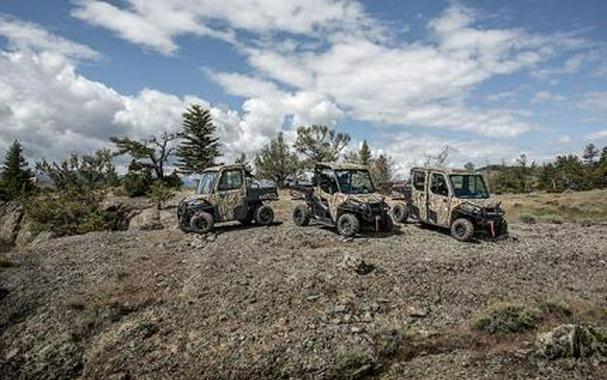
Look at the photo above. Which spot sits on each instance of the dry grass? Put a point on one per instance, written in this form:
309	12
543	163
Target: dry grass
580	206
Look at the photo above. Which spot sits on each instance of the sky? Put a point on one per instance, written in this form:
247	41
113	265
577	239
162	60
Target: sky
490	79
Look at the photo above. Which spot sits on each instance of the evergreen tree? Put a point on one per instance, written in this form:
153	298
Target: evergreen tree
16	177
320	143
382	172
276	161
364	154
590	154
199	147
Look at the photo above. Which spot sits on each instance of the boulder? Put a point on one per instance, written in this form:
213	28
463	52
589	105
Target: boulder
571	341
26	233
10	219
148	219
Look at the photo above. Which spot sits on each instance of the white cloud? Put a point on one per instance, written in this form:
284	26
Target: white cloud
23	35
409	150
55	110
547	96
595	102
157	23
597	135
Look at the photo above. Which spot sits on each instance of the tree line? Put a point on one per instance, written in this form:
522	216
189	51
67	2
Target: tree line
566	172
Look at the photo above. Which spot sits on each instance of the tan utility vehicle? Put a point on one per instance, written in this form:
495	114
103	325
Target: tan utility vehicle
226	193
342	196
449	198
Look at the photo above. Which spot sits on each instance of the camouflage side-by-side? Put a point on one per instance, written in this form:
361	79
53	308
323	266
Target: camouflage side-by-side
343	195
450	198
226	193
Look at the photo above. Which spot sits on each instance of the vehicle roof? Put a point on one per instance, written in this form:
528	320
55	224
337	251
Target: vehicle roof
223	167
341	166
444	170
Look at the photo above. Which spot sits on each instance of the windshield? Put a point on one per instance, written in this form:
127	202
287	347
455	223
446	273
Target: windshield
354	181
206	184
469	186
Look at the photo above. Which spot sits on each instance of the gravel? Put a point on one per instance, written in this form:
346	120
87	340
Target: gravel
285	301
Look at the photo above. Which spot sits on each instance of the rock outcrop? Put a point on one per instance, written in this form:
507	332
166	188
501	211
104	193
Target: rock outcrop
571	341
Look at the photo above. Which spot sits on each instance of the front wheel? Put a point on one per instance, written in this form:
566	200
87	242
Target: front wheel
462	229
264	215
301	216
348	225
202	222
400	213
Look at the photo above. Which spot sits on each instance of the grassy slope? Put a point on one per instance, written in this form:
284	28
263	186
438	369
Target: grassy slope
578	206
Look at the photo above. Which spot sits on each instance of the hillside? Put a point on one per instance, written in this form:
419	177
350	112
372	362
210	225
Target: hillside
289	302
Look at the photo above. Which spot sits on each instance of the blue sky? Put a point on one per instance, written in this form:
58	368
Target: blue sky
489	79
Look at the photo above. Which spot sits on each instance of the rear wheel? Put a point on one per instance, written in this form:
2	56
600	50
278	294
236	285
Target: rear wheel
400	213
202	222
348	225
301	215
264	215
462	229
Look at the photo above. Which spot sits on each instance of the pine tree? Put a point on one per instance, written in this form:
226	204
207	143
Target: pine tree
382	172
320	143
276	161
199	147
16	177
365	154
590	154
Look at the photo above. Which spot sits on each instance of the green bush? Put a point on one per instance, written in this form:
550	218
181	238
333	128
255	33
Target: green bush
71	213
160	193
528	219
507	318
137	183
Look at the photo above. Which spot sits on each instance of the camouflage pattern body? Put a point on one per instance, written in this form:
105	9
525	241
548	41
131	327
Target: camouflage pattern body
440	209
336	200
225	203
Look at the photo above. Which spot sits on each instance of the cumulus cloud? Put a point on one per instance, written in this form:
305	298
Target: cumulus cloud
55	110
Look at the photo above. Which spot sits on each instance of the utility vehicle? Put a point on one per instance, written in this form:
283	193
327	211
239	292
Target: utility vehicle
449	198
342	196
226	193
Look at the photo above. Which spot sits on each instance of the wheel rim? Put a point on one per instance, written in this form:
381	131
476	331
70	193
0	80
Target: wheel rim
298	216
346	226
265	216
201	224
460	230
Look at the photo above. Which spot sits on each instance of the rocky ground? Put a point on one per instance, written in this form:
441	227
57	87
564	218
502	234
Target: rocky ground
290	302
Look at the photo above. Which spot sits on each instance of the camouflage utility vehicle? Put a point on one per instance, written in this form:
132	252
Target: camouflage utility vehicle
226	193
449	198
342	196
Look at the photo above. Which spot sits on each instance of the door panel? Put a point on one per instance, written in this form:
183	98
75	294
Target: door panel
230	193
418	194
438	200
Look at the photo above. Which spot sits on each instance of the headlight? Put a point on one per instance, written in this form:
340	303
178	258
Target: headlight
469	207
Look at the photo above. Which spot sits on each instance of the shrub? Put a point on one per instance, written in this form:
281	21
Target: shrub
137	183
159	193
507	318
557	306
71	213
528	219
